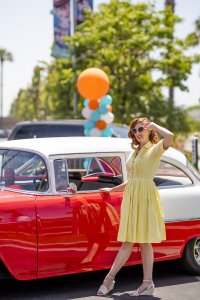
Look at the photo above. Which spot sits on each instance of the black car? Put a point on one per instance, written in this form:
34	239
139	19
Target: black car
41	129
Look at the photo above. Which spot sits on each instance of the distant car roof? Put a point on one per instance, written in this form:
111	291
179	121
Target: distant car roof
58	128
67	121
71	145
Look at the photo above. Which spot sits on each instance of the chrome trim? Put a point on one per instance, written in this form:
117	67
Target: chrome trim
181	219
27	192
197	250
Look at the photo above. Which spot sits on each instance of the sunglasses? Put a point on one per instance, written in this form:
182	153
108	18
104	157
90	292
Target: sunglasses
134	130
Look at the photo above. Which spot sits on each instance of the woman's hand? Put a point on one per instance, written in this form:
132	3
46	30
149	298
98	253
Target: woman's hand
149	125
167	135
106	190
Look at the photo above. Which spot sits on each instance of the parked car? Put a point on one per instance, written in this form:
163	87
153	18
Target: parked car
38	129
3	133
54	220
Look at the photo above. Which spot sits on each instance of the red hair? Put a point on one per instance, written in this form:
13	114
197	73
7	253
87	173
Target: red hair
153	136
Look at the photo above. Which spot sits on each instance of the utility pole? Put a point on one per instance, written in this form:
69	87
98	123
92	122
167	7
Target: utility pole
171	4
73	9
1	95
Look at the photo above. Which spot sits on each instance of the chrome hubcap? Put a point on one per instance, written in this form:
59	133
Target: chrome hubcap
197	250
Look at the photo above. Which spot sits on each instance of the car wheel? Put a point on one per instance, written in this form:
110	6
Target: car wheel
191	256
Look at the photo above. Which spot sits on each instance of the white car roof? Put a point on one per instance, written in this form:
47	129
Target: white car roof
70	145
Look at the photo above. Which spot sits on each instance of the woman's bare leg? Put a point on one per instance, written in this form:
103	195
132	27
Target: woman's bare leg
147	264
120	260
147	260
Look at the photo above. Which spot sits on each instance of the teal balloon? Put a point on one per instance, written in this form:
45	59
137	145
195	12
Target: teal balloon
86	163
107	132
86	132
85	103
89	124
95	116
102	109
106	100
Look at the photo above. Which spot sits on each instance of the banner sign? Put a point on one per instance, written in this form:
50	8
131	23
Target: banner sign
81	5
62	19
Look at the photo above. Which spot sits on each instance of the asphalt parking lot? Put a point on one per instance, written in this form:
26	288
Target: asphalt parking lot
172	283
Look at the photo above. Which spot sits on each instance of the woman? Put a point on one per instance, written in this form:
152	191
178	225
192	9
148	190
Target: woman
142	218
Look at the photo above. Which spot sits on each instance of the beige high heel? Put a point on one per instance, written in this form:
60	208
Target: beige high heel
104	290
148	291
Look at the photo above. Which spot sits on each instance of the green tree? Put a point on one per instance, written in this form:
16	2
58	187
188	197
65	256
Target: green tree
23	105
4	56
136	46
59	88
30	102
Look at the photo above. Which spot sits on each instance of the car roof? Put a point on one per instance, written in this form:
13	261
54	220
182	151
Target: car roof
69	145
61	122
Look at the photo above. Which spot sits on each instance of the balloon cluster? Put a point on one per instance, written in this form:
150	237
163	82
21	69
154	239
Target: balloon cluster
93	84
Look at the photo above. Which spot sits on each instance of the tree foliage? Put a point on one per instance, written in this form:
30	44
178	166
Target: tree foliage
5	55
133	44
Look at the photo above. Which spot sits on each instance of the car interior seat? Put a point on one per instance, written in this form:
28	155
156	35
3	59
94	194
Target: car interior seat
9	178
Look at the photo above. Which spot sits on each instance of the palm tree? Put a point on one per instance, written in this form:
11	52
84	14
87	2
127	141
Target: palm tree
4	56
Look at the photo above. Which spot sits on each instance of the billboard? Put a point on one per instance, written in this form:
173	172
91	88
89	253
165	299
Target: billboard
63	17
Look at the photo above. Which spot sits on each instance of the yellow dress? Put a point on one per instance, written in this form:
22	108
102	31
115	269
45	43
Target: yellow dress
142	219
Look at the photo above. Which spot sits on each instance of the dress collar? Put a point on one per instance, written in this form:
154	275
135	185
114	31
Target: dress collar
146	146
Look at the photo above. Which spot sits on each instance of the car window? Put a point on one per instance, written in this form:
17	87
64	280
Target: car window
37	130
61	175
47	130
23	171
170	175
89	173
120	131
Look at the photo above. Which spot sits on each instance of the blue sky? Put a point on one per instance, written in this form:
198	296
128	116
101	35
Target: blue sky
26	30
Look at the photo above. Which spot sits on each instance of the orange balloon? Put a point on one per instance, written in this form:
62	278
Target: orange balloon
93	83
101	125
110	108
93	104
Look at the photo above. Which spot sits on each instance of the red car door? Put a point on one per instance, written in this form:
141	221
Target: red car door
76	232
18	234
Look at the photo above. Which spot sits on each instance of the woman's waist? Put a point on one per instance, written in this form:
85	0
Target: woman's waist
141	178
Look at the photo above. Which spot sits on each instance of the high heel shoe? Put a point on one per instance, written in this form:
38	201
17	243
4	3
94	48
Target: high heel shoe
104	290
147	291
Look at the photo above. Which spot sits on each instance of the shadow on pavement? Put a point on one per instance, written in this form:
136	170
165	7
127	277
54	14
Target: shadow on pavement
84	286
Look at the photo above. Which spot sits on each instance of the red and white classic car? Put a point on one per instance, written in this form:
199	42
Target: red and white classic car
54	220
